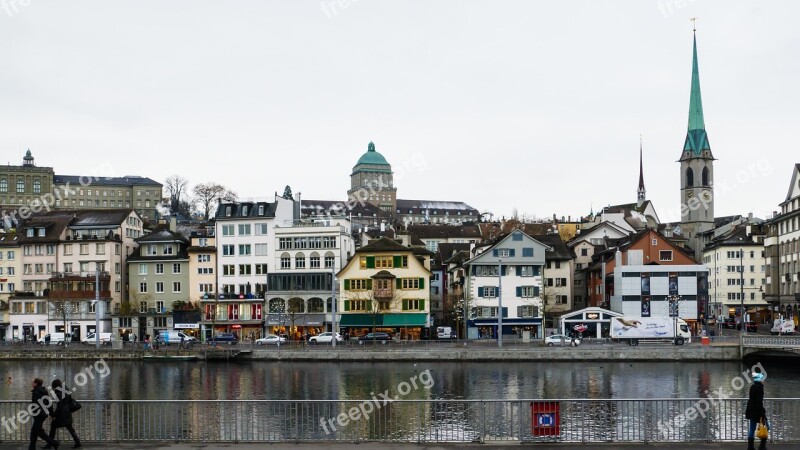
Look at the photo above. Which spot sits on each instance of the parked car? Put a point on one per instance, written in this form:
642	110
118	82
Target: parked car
375	337
751	326
271	339
90	339
224	338
56	338
561	339
729	322
324	338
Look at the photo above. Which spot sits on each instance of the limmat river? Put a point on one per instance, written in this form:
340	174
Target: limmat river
134	380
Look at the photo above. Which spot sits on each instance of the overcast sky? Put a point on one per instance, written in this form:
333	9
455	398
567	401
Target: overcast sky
531	105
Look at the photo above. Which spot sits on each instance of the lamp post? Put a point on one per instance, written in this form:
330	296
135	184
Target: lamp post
500	303
333	306
741	286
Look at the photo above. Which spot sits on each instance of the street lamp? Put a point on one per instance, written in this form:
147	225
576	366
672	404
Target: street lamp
674	312
500	303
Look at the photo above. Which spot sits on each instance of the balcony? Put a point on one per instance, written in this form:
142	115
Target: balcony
76	295
79	276
381	294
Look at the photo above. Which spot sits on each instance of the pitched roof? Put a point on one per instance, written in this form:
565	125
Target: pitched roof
339	208
130	180
100	218
558	249
433	205
445	231
162	235
383	244
239	210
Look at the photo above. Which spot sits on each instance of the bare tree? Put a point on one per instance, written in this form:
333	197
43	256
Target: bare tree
176	186
206	196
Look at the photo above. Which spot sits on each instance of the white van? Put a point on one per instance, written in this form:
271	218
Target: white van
174	337
782	326
445	333
54	338
90	339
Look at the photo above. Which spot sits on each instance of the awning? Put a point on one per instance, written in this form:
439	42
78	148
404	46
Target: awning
361	320
405	320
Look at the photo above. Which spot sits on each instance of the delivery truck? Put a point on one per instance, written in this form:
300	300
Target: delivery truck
782	327
633	330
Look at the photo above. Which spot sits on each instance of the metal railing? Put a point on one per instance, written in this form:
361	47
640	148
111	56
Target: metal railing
771	341
581	420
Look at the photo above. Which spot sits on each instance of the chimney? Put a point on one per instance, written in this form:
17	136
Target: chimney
618	258
173	223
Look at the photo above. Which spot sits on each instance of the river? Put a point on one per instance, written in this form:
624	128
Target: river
126	380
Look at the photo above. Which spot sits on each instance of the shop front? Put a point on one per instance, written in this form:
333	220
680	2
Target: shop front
296	327
590	322
486	328
189	329
401	326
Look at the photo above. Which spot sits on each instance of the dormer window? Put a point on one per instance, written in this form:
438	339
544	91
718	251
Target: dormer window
260	210
41	232
29	232
227	211
244	210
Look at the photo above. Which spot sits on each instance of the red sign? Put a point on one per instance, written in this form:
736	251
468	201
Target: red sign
545	419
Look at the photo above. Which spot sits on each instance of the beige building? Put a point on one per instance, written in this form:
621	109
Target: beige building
202	265
10	270
92	192
384	287
22	185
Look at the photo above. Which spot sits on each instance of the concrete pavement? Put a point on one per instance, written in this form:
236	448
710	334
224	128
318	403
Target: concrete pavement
430	446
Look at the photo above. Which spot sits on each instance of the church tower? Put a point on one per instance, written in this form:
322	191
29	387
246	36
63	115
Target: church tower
697	169
641	196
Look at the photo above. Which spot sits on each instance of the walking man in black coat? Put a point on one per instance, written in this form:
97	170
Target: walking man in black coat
37	430
755	411
61	413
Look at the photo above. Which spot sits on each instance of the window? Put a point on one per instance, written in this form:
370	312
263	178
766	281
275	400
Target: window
413	304
168	249
328	242
244	250
359	284
261	269
528	311
228	230
286	262
529	291
20	186
665	255
261	249
245	269
409	283
142	269
176	287
203	258
584	252
205	287
244	229
117	268
84	249
205	271
315	242
10	255
151	250
383	262
300	261
261	228
176	268
228	250
228	270
300	242
285	243
143	290
356	305
314	262
503	252
486	271
4	185
329	261
159	269
159	287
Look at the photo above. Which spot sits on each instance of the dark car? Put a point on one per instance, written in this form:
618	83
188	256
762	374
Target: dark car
751	326
729	322
224	338
375	337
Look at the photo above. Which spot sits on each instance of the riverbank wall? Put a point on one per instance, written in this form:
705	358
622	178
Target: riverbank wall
381	353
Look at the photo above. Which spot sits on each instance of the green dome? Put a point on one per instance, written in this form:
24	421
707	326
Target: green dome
372	157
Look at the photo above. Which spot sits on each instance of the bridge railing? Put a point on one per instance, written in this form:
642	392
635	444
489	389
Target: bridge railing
771	341
376	419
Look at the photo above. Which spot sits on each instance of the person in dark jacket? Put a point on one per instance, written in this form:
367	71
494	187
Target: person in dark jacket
61	412
755	411
38	393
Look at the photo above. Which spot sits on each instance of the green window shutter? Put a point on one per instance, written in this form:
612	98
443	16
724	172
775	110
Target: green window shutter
536	291
519	291
405	305
422	305
369	284
422	283
347	305
346	285
399	283
370	262
369	305
397	261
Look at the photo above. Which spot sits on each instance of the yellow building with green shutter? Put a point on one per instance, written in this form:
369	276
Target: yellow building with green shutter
384	287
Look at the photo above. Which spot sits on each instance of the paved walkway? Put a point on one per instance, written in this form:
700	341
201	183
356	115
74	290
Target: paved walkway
387	446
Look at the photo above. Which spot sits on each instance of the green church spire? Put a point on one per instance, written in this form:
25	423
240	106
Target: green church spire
696	137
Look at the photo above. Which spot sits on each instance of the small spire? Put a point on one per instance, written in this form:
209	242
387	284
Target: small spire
640	193
371	147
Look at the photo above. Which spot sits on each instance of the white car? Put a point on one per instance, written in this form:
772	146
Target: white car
271	339
324	338
561	339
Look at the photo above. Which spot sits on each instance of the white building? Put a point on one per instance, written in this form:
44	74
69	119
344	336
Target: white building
507	273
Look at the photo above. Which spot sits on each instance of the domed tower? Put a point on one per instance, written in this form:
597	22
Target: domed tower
371	181
697	170
27	161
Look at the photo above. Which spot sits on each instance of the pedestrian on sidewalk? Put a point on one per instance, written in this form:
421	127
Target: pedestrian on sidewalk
755	411
61	413
38	393
182	346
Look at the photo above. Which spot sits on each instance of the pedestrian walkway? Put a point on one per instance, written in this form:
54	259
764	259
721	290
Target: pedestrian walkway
431	446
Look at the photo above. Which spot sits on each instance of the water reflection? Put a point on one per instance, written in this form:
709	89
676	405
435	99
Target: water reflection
355	381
